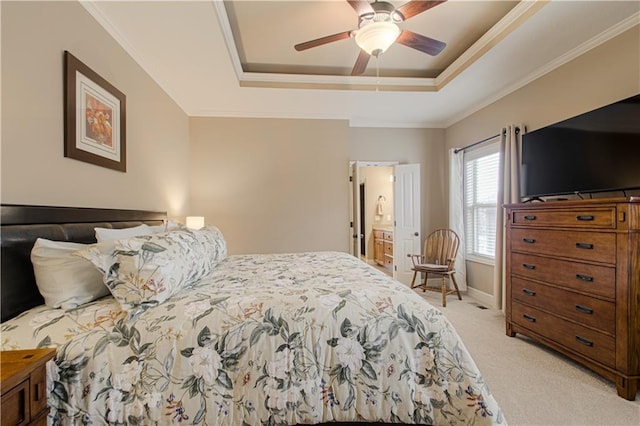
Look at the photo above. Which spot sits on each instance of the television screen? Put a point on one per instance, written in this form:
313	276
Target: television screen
594	152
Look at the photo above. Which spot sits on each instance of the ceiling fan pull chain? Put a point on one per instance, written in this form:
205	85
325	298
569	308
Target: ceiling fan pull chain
377	72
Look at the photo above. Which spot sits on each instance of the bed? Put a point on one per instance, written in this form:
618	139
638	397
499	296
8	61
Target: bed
272	339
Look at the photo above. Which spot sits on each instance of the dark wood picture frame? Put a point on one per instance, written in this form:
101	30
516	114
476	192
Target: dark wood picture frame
94	117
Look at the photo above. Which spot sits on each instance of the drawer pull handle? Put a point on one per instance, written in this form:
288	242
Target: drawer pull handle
529	240
530	217
528	292
585	217
584	341
586	246
583	277
529	318
527	266
22	404
584	309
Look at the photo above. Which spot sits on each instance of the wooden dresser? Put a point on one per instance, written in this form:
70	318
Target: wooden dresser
24	386
573	282
383	247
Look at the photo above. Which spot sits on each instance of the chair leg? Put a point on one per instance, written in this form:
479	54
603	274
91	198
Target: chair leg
424	283
455	284
413	280
444	292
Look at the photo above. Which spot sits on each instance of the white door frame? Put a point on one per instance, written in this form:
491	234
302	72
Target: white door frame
354	200
354	203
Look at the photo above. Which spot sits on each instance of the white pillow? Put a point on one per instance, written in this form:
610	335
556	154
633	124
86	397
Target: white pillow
169	226
106	234
144	271
65	281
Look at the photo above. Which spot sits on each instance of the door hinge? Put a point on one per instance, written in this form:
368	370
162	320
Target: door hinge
350	178
350	224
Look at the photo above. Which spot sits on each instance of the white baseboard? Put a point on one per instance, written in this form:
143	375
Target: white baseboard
485	299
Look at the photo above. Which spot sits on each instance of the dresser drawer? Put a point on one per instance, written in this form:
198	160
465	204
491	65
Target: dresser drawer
15	405
38	382
591	246
586	310
587	342
598	280
604	217
388	236
388	248
378	234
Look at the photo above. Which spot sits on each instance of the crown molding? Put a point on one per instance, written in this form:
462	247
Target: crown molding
96	13
583	48
268	114
361	122
512	20
519	14
227	34
334	82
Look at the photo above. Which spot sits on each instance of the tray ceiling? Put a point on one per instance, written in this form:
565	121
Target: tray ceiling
236	58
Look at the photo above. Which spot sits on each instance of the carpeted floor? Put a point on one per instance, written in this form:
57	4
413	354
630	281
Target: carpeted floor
532	384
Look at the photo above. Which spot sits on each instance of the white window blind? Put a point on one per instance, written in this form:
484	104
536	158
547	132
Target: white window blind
481	199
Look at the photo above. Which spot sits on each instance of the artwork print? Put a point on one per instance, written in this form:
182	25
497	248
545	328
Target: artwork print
94	117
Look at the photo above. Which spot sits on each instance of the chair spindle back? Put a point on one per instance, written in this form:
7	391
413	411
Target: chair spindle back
441	246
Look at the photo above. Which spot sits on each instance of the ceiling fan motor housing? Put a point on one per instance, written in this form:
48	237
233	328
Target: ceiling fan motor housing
382	12
378	29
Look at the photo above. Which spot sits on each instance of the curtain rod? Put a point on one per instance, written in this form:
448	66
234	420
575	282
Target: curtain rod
504	131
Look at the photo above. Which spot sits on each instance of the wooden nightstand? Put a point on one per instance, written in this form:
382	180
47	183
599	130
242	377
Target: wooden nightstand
24	386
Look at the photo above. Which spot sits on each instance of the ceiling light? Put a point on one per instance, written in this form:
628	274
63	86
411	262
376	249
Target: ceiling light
376	37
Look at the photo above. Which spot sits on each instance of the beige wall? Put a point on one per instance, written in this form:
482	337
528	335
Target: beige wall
423	146
272	185
282	185
601	76
34	169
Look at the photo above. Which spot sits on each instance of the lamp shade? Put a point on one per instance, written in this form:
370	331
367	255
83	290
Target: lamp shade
376	37
195	222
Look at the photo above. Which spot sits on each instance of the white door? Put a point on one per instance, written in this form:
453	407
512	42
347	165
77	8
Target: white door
356	231
406	236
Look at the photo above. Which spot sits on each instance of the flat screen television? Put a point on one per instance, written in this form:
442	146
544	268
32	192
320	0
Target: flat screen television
598	151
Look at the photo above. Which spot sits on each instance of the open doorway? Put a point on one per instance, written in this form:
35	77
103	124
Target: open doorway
374	208
385	215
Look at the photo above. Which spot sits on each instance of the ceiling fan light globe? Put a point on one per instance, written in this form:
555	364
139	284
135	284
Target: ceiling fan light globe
377	37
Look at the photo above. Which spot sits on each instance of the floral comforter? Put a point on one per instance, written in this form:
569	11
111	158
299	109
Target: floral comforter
263	340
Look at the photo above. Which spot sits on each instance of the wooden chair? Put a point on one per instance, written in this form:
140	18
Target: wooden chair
437	258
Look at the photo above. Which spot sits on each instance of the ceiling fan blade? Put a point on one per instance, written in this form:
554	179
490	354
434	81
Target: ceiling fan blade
419	42
414	7
361	63
322	40
361	6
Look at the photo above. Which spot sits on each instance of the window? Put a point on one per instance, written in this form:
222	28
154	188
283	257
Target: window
480	201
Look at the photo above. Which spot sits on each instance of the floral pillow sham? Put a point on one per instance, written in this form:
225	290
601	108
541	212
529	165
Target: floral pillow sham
146	270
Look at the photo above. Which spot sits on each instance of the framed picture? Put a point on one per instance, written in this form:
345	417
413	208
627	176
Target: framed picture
94	117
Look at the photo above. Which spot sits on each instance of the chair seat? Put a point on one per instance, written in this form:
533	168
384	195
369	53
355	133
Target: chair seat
431	267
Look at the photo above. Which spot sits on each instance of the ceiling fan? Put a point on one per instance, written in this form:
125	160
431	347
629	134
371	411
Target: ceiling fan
378	30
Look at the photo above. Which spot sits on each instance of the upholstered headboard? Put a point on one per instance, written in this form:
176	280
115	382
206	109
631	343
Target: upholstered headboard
22	225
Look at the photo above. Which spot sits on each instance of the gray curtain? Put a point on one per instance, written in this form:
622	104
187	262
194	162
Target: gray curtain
508	192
